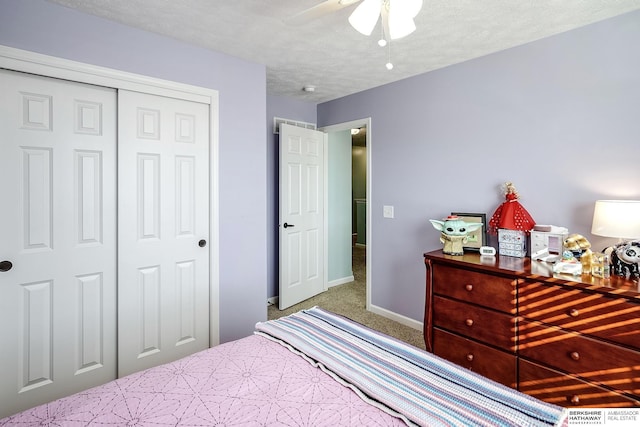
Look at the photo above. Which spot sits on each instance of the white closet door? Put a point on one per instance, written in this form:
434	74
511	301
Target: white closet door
57	238
163	229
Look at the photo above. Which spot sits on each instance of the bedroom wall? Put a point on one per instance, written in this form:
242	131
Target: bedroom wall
558	117
42	27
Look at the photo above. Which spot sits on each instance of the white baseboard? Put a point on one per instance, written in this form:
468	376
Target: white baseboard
376	310
341	281
397	317
274	300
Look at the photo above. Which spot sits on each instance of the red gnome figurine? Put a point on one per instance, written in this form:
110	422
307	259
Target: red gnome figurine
511	215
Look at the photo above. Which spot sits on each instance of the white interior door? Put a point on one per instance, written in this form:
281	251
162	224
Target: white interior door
301	214
57	238
163	229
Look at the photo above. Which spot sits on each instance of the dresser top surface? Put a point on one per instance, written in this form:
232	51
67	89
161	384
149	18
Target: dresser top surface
525	268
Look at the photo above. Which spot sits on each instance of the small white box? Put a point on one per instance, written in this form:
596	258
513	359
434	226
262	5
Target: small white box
552	242
512	243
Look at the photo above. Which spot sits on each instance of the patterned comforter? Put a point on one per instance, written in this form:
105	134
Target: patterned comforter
302	370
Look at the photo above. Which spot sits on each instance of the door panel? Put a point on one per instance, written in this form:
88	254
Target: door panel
163	176
302	209
57	227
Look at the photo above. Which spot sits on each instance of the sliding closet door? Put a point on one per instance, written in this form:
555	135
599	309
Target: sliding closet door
57	238
163	229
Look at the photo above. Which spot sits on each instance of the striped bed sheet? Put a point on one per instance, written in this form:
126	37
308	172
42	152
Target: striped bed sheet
418	387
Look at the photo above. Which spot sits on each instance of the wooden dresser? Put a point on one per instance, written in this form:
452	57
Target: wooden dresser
572	341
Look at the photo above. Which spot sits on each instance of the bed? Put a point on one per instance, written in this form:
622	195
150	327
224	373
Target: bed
312	368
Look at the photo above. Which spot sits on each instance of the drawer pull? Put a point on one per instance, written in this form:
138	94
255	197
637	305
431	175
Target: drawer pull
575	355
470	357
574	312
469	322
575	399
469	287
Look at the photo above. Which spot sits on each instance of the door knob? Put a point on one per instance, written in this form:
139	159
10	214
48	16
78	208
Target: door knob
288	225
202	243
5	265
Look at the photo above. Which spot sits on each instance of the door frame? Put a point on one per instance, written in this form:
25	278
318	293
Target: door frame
50	66
342	127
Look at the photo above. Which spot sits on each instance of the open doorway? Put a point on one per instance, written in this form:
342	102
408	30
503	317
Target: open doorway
359	203
354	303
359	151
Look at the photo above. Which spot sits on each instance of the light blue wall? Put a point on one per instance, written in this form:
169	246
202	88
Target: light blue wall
50	29
339	209
559	117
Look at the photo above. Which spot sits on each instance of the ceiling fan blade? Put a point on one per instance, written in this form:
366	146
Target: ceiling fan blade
324	8
365	17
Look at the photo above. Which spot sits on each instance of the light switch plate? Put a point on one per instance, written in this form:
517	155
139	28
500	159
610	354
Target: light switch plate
387	211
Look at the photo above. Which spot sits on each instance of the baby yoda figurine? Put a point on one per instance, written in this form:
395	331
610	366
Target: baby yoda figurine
454	233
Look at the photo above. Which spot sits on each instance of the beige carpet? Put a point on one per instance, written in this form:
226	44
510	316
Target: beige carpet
349	300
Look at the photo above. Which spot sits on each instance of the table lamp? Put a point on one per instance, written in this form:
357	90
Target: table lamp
617	218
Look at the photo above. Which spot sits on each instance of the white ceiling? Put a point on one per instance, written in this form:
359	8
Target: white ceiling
329	54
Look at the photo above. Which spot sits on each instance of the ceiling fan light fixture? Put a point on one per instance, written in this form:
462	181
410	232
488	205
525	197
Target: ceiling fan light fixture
400	16
365	17
400	26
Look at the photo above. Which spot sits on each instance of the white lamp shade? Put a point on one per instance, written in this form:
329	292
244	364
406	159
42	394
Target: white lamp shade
365	17
617	218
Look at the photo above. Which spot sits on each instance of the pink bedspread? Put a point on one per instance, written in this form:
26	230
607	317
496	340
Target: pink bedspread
249	382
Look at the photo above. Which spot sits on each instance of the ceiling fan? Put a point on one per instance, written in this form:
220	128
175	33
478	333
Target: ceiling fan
397	15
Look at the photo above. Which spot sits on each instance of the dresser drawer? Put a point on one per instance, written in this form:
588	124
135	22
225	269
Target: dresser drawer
616	320
484	325
560	389
483	289
590	359
486	361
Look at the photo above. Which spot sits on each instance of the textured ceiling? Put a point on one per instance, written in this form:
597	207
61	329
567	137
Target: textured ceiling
330	55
